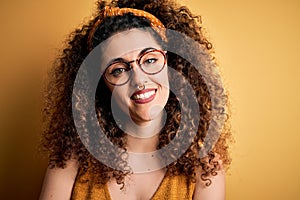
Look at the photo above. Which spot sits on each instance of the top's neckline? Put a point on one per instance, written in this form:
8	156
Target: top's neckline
107	192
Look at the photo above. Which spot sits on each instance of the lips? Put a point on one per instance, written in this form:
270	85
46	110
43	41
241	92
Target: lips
143	96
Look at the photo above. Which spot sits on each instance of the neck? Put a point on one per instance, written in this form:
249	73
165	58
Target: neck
142	145
144	137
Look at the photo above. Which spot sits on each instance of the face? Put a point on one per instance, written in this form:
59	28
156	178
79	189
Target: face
141	104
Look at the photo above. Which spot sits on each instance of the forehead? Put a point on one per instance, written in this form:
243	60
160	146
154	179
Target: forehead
125	42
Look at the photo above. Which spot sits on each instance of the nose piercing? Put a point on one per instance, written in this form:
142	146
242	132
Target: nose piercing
141	87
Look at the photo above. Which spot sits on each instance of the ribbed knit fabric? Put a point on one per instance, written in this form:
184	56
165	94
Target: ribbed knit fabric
177	187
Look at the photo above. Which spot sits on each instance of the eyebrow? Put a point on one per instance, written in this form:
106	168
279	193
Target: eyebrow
122	59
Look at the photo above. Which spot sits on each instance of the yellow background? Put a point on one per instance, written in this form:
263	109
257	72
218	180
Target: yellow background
257	46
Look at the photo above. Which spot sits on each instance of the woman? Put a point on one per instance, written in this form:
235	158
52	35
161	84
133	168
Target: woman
141	107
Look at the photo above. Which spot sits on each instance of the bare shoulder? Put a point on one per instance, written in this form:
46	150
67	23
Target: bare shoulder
58	182
216	190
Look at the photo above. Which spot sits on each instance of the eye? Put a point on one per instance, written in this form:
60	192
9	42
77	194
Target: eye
117	72
150	61
117	69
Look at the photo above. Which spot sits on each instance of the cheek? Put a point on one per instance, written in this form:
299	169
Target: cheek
162	79
120	98
118	103
116	94
116	91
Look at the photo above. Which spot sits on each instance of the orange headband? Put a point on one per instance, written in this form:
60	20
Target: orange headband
115	11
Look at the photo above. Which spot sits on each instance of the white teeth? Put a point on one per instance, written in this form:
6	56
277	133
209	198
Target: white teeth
144	95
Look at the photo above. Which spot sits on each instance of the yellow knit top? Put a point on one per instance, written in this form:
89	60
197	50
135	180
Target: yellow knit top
175	187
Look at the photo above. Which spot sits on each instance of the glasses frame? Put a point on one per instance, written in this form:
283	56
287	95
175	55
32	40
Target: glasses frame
138	60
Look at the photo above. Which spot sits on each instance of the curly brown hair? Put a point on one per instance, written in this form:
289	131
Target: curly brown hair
60	137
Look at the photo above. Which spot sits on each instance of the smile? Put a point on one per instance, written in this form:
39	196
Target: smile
144	96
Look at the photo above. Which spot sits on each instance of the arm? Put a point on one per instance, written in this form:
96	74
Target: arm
58	182
216	191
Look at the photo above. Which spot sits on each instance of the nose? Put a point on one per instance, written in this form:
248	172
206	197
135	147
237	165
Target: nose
138	77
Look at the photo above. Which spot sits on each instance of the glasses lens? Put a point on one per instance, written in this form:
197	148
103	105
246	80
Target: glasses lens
152	62
117	73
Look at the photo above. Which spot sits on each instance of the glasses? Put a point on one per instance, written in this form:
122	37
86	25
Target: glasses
150	62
